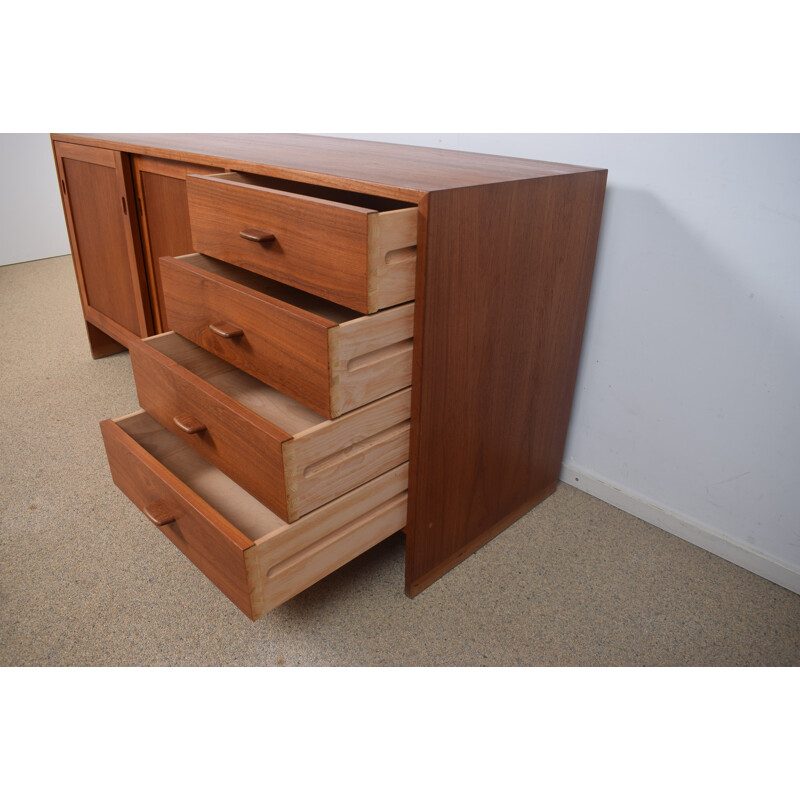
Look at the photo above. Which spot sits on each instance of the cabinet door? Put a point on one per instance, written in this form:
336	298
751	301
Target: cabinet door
97	192
164	218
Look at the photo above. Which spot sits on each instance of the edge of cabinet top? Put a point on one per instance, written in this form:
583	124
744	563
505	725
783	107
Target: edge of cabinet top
405	172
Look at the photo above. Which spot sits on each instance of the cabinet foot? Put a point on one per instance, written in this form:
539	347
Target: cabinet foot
101	343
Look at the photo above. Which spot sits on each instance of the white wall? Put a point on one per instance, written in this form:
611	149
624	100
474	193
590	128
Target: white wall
687	411
32	221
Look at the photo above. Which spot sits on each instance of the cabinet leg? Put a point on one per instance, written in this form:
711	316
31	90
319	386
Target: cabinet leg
101	343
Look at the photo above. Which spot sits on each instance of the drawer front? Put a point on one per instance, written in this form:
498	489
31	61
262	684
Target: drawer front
327	358
285	349
329	249
228	435
206	538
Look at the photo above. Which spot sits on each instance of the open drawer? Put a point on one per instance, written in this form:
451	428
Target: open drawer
328	357
251	555
353	249
288	457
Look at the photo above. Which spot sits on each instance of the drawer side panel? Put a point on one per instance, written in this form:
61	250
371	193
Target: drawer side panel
291	559
284	581
331	459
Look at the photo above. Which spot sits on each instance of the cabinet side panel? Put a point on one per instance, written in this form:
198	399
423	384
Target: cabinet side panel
501	308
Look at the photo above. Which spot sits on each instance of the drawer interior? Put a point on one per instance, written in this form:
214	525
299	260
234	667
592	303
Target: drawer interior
217	489
364	201
286	413
278	291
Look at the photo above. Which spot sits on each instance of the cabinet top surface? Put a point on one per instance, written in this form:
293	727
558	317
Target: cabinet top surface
392	169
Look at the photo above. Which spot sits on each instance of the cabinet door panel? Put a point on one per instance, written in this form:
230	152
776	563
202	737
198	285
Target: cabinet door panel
164	210
104	235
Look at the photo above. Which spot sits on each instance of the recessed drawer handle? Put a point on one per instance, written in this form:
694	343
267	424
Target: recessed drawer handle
226	330
189	424
256	235
158	514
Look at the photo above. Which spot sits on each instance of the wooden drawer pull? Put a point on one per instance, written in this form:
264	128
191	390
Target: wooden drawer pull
158	514
226	330
255	235
189	424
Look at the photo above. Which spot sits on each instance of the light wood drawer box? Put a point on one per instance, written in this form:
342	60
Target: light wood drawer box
353	249
328	357
288	457
254	557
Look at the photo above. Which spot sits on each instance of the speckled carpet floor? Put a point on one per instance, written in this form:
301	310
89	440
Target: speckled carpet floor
86	580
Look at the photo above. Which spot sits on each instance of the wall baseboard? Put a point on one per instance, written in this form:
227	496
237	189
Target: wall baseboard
709	539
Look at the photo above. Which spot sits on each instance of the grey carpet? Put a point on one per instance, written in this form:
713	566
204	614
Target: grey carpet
85	579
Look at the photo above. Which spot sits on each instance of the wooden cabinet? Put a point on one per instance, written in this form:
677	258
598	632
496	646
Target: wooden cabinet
99	205
164	216
365	338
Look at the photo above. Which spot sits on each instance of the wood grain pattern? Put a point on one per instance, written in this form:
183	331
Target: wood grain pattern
504	257
164	216
110	329
500	314
292	462
100	343
206	538
298	349
397	171
89	155
236	440
334	457
287	350
98	199
291	559
257	560
370	357
392	243
317	245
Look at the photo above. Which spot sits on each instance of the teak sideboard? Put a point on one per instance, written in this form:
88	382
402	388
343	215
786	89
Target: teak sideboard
332	341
